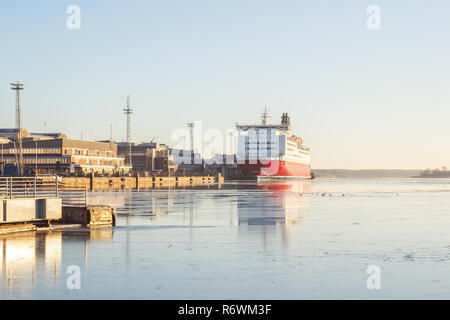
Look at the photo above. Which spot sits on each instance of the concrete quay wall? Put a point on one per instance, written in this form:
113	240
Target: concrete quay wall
116	183
30	209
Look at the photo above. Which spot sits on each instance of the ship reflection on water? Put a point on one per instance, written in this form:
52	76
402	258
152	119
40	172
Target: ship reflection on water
262	203
284	203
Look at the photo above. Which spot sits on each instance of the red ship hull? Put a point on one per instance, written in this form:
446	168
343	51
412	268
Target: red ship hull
275	169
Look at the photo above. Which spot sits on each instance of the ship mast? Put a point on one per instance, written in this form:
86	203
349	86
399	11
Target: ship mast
265	116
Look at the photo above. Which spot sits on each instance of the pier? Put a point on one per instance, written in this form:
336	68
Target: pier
52	202
32	203
29	199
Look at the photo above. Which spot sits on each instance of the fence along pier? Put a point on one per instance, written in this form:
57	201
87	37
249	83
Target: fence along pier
33	201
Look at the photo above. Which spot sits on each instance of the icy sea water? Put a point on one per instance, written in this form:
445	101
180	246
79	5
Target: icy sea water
287	240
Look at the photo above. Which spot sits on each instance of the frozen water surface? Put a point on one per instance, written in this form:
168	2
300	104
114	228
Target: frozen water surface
286	240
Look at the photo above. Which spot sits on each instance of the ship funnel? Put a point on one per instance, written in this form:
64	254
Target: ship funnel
285	120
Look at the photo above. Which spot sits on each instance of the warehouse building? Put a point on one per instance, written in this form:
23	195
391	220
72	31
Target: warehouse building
55	153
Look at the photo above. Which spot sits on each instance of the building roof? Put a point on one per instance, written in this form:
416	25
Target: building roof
12	133
58	135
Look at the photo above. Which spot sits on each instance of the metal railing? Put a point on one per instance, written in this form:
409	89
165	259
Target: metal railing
28	187
73	196
42	187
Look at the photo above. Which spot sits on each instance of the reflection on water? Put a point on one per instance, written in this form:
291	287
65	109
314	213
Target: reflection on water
246	240
262	203
283	204
27	256
253	204
21	254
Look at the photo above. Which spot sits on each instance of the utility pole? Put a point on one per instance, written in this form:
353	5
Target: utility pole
36	159
18	87
191	133
128	111
2	160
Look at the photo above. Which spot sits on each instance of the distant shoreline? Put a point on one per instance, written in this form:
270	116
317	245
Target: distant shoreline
366	173
380	174
384	178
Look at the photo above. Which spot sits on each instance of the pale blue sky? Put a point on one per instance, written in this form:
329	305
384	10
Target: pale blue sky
359	98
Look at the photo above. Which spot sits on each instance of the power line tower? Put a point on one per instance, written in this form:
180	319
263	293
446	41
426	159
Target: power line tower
128	111
18	87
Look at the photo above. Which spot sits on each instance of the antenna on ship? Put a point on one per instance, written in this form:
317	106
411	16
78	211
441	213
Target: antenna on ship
265	116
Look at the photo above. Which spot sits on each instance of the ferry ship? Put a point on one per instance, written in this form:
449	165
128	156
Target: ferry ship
271	151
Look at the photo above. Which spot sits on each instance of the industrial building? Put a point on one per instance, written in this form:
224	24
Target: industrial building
55	153
225	164
147	157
